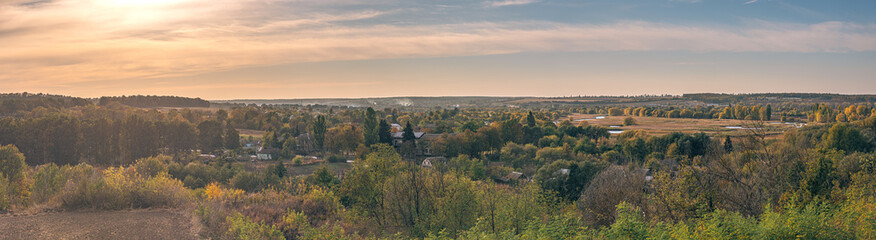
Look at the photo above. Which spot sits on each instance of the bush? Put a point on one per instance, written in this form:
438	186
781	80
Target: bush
195	175
86	188
48	181
151	166
239	227
336	159
247	181
162	191
295	223
799	223
297	161
118	188
5	202
12	164
320	205
629	121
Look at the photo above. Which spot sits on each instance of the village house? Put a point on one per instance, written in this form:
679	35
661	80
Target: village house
422	140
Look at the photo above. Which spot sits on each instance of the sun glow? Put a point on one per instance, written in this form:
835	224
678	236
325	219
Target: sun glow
139	3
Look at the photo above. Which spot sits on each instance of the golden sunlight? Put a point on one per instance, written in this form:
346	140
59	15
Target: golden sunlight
138	3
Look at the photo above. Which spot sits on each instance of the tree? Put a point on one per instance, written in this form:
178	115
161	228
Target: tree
210	135
848	138
12	165
766	113
408	134
629	121
278	169
728	144
232	138
319	130
385	132
372	132
610	187
343	138
530	120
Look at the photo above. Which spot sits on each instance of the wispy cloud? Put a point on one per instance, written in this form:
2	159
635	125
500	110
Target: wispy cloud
750	2
72	41
502	3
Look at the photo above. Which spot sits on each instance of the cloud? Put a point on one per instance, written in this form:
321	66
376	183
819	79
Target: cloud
750	2
71	42
503	3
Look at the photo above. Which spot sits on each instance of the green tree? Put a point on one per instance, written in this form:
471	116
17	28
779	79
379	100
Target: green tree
728	144
408	134
372	130
385	132
842	136
319	130
232	138
210	135
12	165
629	121
530	120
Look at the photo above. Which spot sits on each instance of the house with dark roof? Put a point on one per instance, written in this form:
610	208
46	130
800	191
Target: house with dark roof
422	140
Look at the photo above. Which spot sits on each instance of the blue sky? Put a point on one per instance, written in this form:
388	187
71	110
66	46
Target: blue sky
226	49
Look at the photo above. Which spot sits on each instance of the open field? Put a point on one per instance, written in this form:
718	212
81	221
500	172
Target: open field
306	169
134	224
250	133
658	125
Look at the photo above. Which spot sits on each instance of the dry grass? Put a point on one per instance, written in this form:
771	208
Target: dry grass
306	169
659	125
250	133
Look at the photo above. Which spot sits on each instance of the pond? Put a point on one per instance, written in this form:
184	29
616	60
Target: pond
738	127
615	131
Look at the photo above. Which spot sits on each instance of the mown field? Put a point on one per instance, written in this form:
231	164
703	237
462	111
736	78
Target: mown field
661	125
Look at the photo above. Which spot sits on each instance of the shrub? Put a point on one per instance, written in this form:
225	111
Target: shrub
118	188
320	204
5	202
194	175
48	181
12	164
151	166
336	159
214	192
630	224
297	161
247	181
239	227
87	188
295	223
162	191
799	223
629	121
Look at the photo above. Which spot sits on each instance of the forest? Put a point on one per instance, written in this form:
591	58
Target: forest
474	172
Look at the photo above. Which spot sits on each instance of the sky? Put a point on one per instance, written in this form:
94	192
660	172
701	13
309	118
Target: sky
281	49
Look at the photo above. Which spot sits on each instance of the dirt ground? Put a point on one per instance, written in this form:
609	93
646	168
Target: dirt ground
129	224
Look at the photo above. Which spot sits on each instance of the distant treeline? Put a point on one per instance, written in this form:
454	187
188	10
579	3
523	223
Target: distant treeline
155	101
70	139
11	103
725	98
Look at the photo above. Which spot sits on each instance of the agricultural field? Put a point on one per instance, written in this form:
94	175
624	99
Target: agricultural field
132	224
662	125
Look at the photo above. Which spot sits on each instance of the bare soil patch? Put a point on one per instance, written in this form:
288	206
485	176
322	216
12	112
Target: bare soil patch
131	224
